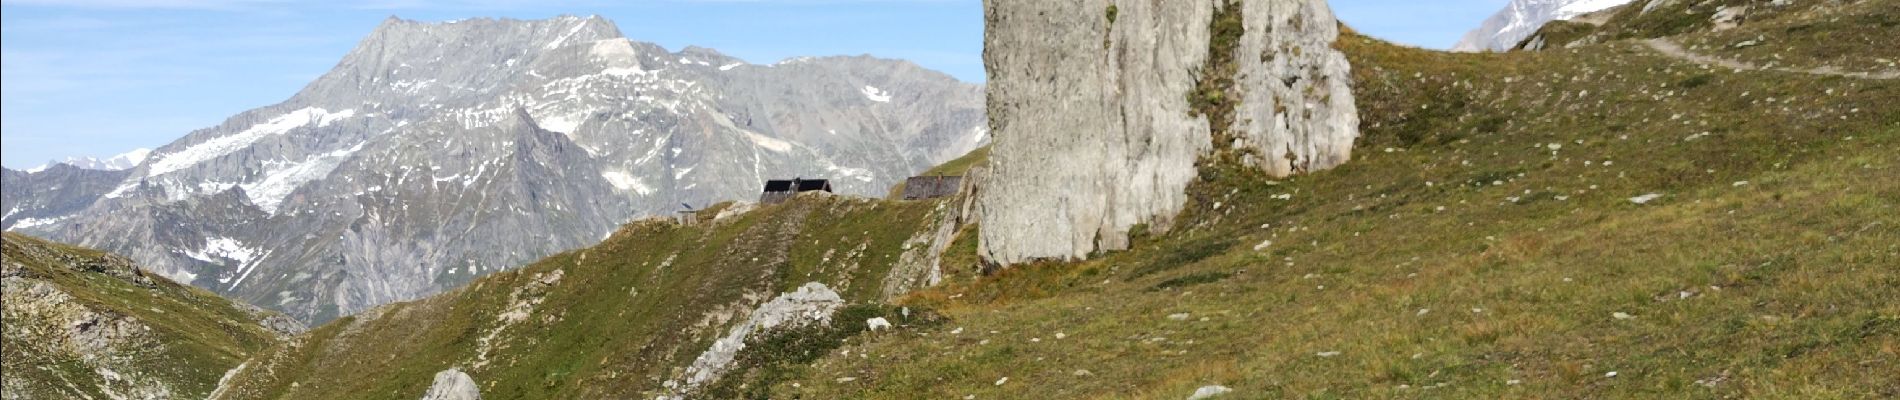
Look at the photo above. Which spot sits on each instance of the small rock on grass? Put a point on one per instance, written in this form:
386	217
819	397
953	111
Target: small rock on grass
1209	391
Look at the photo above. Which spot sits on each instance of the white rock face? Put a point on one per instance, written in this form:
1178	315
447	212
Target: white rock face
877	324
453	384
1208	392
1297	107
1092	129
1726	18
812	303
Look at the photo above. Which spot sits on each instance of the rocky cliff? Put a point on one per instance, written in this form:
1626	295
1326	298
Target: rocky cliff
1103	111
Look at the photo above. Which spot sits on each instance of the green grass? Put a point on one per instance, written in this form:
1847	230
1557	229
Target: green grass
187	337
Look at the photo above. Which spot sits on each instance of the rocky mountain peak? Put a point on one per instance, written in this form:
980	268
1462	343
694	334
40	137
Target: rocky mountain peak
407	58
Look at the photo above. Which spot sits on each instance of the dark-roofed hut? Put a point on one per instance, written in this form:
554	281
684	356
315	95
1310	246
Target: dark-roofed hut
778	191
931	187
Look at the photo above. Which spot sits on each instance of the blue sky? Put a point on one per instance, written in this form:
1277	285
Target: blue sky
99	77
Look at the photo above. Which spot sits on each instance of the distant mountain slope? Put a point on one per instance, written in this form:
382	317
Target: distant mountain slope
1521	18
436	152
85	324
42	199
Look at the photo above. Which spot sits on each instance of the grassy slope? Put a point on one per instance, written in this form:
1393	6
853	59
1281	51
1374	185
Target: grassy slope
1779	287
626	316
1858	36
1766	270
1850	36
199	335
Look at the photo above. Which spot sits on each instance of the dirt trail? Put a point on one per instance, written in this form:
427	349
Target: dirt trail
1674	50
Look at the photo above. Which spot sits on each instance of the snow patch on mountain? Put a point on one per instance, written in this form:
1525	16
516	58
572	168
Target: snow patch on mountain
623	71
877	95
118	192
627	182
1522	18
268	193
563	124
25	223
223	248
219	248
769	143
221	146
562	41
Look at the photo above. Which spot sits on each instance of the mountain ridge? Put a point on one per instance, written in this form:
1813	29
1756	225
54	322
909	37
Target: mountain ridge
117	162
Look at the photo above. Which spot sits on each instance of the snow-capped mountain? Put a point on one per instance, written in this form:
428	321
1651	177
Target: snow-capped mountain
123	161
1522	18
435	152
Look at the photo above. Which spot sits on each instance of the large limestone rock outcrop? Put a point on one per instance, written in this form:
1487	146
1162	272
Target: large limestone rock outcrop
1092	124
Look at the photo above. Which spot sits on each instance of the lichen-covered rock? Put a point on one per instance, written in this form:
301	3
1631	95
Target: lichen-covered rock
1296	109
453	384
812	303
1094	129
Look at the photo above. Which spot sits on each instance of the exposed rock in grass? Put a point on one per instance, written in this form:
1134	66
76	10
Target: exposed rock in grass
811	303
1209	391
453	384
